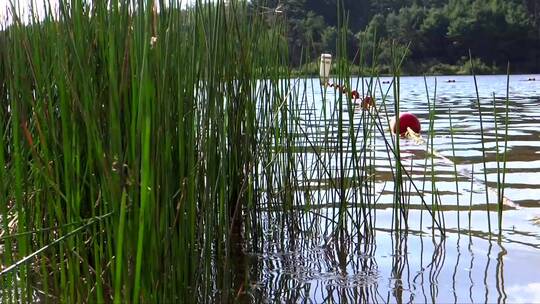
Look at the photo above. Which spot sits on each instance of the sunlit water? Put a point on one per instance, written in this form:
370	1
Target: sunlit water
468	263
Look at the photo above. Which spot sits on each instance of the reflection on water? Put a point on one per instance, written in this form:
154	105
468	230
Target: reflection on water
467	263
408	268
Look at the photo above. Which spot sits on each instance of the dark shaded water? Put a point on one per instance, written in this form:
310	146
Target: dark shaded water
468	263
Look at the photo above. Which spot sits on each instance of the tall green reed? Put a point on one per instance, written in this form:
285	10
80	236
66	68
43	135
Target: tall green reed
502	181
482	140
147	114
454	163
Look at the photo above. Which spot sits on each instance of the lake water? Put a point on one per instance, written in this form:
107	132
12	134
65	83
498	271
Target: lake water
472	261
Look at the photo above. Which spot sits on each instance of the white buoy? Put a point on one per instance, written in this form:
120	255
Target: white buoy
324	70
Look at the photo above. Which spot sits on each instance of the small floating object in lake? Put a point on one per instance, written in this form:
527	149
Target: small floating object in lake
342	89
367	103
406	120
532	79
324	68
355	95
451	80
386	82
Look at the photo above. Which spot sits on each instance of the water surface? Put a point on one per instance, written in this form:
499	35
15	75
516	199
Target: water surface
472	261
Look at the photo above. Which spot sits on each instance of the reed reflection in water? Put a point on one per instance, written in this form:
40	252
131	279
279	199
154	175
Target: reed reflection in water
407	268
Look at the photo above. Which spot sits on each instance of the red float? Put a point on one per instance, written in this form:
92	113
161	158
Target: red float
406	120
367	103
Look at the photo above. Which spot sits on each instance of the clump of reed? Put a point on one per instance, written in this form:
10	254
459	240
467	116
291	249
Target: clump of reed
139	125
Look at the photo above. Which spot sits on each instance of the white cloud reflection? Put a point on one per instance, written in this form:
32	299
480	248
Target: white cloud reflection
529	293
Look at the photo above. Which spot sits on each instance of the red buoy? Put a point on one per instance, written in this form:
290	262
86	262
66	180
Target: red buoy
367	103
406	120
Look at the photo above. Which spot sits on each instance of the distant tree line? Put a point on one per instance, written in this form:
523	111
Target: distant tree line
438	33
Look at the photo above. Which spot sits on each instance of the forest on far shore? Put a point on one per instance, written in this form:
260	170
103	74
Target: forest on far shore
438	33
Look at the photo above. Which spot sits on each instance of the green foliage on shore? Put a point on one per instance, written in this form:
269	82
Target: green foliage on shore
439	32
